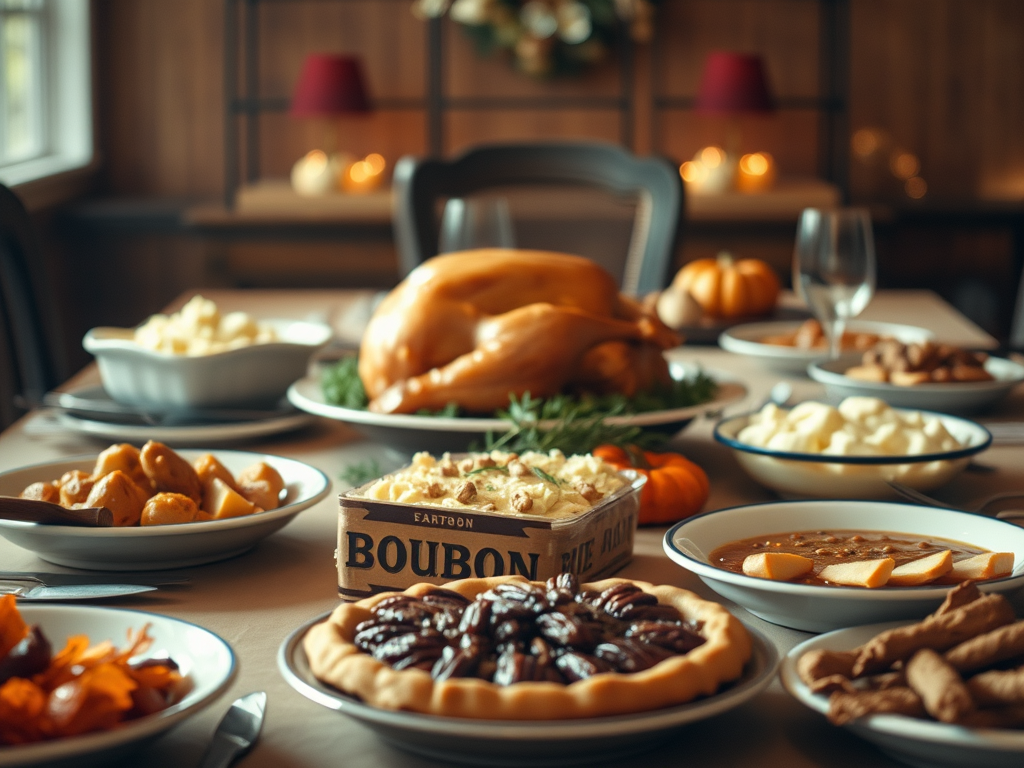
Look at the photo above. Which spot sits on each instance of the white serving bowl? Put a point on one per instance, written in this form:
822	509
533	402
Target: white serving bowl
827	476
746	340
204	657
256	375
910	740
155	547
952	397
819	608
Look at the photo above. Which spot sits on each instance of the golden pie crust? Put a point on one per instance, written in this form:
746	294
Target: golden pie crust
335	660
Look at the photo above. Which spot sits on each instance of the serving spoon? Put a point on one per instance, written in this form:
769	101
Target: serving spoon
47	513
914	495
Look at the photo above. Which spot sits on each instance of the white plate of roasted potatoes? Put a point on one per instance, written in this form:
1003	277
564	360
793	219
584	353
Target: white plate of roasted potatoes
172	509
974	389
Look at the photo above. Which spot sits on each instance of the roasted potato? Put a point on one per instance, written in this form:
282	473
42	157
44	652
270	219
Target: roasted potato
262	485
169	509
169	473
121	495
125	457
43	492
75	487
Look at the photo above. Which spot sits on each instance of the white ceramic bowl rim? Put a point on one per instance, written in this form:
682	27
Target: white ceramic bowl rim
737	339
981	440
285	510
139	728
1006	373
96	339
703	568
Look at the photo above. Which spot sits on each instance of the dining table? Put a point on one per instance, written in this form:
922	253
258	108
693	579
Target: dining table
254	600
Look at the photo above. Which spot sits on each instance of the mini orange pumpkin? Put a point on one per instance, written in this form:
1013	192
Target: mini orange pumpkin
725	287
675	487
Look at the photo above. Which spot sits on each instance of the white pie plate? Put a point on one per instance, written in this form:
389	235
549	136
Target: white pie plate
960	397
916	742
410	432
820	609
159	546
518	743
746	340
201	655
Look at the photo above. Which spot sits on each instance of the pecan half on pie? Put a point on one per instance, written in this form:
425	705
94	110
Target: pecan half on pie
509	649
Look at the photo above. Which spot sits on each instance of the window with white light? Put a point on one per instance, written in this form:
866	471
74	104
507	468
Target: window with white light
45	88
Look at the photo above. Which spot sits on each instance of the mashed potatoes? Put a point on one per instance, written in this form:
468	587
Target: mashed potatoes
200	329
544	484
860	426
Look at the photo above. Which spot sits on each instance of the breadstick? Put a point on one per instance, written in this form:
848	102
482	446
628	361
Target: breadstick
1000	717
942	691
963	593
938	632
819	664
998	687
844	707
988	649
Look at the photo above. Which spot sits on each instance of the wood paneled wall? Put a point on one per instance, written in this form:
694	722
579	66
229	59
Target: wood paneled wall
943	77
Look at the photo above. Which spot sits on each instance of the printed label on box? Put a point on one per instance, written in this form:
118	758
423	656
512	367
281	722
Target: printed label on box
385	546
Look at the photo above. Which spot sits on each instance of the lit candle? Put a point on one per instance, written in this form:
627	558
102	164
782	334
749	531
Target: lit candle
756	172
710	172
364	175
315	174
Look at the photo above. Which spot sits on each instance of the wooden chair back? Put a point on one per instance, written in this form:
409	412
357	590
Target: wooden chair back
421	184
27	355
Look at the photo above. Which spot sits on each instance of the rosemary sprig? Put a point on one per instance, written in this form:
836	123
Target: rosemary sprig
572	433
360	472
545	476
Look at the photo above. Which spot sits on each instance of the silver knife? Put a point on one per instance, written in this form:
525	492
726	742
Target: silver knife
27	590
75	579
237	732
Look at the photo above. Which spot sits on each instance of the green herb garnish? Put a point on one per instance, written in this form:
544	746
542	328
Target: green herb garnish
478	470
545	476
342	386
361	472
579	420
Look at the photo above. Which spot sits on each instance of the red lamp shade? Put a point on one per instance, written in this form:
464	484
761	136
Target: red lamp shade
733	83
330	84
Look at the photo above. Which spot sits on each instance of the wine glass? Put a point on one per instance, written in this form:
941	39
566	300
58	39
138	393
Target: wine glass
834	267
484	222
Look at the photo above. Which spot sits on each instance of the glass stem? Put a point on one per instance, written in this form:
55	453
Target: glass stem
835	331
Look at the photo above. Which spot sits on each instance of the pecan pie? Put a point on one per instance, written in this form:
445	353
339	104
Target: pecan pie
510	649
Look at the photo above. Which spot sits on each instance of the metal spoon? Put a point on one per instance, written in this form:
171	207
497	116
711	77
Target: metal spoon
916	496
38	511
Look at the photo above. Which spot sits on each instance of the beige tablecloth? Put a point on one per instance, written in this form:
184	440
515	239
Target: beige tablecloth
254	601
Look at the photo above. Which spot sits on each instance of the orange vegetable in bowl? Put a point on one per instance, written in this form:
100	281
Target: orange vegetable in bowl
725	287
675	487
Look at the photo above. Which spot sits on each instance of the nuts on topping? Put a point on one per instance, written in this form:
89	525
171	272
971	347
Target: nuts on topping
518	469
466	492
448	469
466	465
435	491
483	462
589	492
521	501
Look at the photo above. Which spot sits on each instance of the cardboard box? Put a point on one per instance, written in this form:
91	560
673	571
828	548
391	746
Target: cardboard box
385	545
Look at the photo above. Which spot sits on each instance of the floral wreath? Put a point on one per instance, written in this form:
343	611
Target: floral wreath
546	38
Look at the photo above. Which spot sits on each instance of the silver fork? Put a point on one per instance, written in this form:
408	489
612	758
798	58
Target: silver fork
916	496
